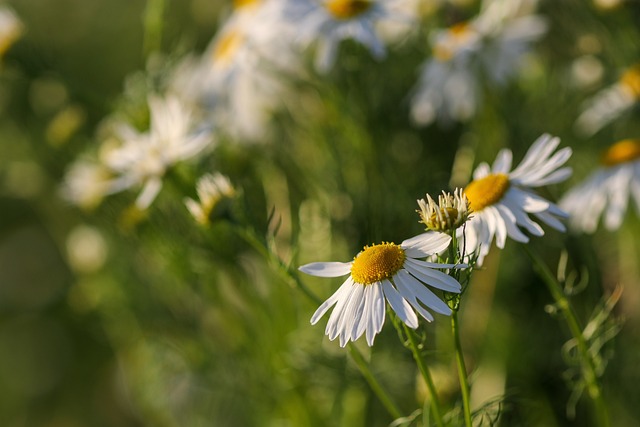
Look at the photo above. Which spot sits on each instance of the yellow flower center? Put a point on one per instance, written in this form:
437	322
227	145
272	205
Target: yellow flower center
456	35
242	3
621	152
631	80
347	9
486	191
377	262
226	46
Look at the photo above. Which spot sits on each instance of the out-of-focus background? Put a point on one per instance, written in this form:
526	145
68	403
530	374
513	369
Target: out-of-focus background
114	316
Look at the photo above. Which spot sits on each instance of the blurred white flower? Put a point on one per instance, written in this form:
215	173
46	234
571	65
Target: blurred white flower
485	50
384	271
607	190
211	189
86	249
501	200
610	103
143	158
10	28
238	82
86	183
326	23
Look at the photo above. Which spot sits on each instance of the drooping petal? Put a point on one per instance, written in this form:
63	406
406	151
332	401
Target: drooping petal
402	279
333	299
326	269
431	277
399	305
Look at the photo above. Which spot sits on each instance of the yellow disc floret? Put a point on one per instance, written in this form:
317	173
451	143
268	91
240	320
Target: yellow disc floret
347	9
377	262
226	45
486	191
631	80
242	3
624	151
453	39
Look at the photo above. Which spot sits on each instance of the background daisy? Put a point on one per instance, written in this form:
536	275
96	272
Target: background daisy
326	23
607	190
502	199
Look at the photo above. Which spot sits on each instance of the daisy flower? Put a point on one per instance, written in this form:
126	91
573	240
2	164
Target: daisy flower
448	87
390	272
490	48
608	190
86	183
328	22
10	29
211	190
144	158
238	81
610	103
502	199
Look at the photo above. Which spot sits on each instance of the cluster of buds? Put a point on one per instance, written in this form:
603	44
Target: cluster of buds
451	211
211	189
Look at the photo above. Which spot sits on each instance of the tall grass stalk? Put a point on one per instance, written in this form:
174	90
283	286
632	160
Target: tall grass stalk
587	363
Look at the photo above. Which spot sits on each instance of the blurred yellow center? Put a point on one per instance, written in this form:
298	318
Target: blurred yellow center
631	80
241	3
621	152
456	35
377	262
347	9
486	191
226	45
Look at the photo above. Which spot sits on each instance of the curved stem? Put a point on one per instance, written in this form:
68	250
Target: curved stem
286	271
433	401
462	369
587	362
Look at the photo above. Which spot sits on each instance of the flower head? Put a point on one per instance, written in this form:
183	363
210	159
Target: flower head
606	191
211	190
502	200
144	158
610	103
326	23
10	29
86	183
390	272
489	47
451	211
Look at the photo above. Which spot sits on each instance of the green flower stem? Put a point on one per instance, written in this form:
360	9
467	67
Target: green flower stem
362	364
290	275
153	22
462	369
435	406
588	365
285	270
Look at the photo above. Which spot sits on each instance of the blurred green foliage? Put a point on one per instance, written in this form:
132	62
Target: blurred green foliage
170	324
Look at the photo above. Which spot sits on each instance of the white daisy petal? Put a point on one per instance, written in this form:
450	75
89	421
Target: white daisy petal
502	163
404	289
434	278
399	305
333	299
424	295
326	269
426	244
